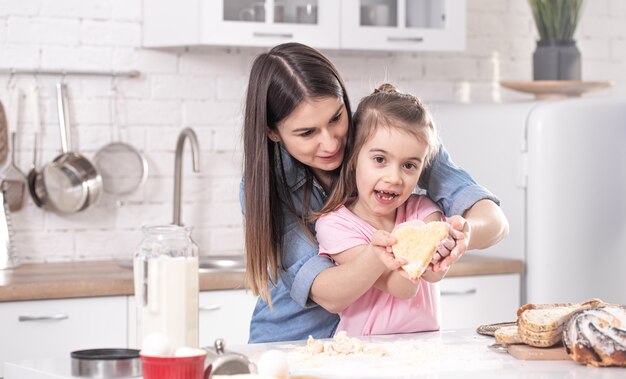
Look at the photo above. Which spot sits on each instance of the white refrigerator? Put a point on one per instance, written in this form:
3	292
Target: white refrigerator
559	168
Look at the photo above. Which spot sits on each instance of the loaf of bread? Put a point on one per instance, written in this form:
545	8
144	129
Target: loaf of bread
597	336
541	325
418	245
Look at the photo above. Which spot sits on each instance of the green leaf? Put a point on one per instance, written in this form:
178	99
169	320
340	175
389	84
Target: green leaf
556	19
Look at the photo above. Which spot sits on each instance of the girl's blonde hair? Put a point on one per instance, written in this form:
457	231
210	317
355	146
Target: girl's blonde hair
386	107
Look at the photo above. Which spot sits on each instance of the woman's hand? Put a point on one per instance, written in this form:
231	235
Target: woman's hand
452	248
382	242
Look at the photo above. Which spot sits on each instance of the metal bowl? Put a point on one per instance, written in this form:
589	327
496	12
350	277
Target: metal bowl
106	363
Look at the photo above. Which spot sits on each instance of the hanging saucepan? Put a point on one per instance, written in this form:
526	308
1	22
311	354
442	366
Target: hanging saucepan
70	183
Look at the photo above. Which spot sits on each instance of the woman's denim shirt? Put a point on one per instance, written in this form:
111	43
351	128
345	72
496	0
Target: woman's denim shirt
293	315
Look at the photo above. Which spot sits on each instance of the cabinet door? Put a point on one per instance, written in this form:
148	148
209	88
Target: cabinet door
467	302
433	25
270	22
225	314
241	22
54	328
222	314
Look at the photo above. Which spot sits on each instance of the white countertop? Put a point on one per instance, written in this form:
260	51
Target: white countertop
446	354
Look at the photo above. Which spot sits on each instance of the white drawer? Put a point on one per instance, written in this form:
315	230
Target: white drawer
470	301
54	328
222	314
227	315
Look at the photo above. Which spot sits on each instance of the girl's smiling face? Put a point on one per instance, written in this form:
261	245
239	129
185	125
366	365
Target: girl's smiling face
387	170
315	133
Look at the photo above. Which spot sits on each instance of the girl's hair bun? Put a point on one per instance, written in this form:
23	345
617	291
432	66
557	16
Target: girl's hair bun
386	87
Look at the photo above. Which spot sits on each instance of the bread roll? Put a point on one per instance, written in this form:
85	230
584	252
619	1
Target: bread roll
597	336
418	245
541	325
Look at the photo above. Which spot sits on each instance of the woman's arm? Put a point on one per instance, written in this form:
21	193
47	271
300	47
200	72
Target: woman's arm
486	224
473	212
483	226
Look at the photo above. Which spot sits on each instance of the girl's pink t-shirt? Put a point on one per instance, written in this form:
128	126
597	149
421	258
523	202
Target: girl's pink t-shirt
377	312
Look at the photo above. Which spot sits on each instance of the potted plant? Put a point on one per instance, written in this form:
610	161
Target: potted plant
556	57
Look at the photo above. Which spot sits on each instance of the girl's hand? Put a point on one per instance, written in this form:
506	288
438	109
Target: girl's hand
452	248
382	242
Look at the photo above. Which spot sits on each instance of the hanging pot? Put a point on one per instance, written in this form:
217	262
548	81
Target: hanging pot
70	183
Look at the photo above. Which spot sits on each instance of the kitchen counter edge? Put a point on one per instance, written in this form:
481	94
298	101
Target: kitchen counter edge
58	280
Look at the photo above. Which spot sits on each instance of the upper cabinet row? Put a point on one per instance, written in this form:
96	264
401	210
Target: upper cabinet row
431	25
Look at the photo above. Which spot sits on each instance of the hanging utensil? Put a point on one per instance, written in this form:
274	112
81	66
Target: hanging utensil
37	193
122	167
14	180
71	182
7	252
4	136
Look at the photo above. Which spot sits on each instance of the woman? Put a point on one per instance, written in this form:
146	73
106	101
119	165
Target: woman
297	130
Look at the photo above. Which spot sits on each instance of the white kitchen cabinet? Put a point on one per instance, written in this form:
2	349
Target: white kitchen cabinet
241	22
223	314
54	328
471	301
433	25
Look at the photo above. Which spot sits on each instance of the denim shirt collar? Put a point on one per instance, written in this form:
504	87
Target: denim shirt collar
295	173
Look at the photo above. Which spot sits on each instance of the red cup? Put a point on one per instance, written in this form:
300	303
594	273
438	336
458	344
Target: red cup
174	367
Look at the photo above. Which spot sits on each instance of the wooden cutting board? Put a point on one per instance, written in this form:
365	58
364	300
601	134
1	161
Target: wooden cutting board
526	352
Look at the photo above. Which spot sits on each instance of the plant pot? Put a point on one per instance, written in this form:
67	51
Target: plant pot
556	60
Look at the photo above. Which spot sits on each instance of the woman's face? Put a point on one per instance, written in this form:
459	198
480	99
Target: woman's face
315	133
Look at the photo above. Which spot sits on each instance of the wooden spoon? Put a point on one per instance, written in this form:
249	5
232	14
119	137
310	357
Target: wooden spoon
4	137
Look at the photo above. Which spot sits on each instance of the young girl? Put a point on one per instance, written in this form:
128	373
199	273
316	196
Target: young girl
395	140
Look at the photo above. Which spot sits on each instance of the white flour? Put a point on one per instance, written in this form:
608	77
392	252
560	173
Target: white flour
351	357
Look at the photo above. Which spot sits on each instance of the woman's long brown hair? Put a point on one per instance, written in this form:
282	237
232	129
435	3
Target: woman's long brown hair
279	81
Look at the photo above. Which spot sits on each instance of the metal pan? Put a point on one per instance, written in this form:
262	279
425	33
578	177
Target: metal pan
106	363
71	182
123	168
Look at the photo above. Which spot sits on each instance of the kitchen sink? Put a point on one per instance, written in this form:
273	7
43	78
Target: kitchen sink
213	263
222	263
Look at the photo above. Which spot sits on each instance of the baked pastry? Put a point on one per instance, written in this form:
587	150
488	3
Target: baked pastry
418	245
597	336
541	325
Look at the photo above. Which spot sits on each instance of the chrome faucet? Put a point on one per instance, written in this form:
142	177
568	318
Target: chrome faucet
178	167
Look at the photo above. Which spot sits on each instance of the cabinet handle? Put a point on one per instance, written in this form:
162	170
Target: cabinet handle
56	317
470	291
273	35
405	39
207	308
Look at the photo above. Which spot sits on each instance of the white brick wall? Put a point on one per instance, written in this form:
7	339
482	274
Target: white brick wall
203	88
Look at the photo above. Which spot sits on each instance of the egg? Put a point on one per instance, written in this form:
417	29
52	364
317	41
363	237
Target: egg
273	364
186	351
156	344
